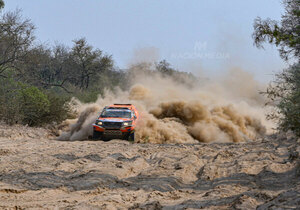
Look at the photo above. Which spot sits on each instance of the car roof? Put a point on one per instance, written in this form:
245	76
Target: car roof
121	106
118	110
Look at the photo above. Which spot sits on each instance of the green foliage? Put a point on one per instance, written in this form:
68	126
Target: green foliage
88	63
59	108
87	96
22	103
34	105
284	92
16	38
1	4
285	34
10	107
77	69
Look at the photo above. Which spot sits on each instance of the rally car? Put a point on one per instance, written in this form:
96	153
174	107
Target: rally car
116	121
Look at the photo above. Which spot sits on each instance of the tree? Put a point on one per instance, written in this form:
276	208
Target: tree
46	67
181	77
285	34
1	4
284	91
60	63
16	37
88	62
34	105
35	67
165	68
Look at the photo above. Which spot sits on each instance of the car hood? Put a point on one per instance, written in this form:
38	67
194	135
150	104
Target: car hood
114	119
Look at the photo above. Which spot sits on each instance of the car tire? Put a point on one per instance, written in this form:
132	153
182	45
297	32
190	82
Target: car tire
96	135
131	137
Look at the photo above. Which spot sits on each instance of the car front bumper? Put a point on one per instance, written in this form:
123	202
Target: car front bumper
113	133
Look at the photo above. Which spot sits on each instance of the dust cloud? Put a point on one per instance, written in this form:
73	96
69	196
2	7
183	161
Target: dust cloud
145	54
224	109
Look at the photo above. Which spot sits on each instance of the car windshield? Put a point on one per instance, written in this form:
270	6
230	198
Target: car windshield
116	114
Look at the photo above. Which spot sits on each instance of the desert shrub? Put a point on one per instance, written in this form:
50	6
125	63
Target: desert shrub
26	104
59	108
285	93
10	107
87	96
34	105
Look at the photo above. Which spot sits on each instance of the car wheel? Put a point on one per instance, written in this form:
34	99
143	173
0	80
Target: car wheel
96	135
131	137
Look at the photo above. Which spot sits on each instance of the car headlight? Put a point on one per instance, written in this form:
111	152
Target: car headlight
129	123
99	123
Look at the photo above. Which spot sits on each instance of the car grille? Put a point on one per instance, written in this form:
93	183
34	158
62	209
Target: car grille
112	133
112	125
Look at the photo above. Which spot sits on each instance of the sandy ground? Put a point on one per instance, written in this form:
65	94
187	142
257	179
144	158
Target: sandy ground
37	172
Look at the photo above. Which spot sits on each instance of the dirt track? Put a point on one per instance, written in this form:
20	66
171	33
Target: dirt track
39	172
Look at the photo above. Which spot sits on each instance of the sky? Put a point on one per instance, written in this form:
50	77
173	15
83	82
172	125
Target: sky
198	36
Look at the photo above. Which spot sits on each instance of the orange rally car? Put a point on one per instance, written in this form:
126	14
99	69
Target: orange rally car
116	121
